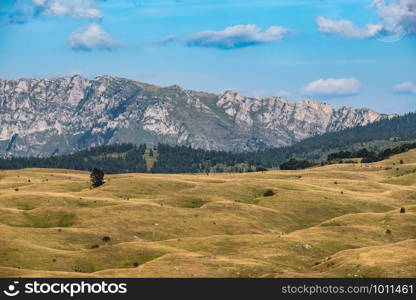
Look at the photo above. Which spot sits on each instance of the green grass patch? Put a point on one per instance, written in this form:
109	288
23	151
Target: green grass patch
84	268
192	203
25	206
49	219
332	223
74	186
248	201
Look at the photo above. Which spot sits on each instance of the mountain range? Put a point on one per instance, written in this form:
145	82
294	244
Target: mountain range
43	117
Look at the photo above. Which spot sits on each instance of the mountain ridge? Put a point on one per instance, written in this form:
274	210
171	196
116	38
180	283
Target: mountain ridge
40	117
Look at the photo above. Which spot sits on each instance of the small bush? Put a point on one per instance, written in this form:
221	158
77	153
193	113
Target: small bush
268	193
135	264
261	169
401	161
97	178
294	164
95	246
402	210
388	231
106	239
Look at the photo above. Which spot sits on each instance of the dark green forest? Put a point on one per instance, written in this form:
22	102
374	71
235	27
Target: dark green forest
373	142
119	158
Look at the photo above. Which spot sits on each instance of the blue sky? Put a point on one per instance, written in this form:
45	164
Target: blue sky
359	53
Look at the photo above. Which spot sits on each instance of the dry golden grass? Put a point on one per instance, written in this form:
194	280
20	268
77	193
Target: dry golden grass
338	220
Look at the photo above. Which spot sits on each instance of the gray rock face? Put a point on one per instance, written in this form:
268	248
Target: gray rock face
60	115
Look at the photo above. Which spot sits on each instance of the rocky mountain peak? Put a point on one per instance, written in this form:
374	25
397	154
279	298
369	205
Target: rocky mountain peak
61	115
233	96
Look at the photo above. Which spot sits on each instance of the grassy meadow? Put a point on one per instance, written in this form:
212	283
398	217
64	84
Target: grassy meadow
334	221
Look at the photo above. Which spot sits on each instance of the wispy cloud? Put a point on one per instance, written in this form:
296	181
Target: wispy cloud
24	10
166	40
341	87
397	19
405	88
92	37
346	28
74	8
238	36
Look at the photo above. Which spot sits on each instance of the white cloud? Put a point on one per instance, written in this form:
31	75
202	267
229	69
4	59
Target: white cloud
397	19
405	88
92	37
333	87
238	36
73	8
397	16
24	10
346	28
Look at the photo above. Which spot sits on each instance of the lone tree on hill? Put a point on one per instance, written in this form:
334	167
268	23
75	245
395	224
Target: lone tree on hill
97	177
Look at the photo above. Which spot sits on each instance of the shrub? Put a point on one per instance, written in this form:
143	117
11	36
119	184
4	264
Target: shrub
401	161
388	231
268	193
294	164
95	246
106	239
135	264
402	210
261	169
97	177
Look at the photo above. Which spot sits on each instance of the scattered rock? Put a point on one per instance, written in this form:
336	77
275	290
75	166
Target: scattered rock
307	246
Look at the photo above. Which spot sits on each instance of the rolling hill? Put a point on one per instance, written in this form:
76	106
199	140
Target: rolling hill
331	221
